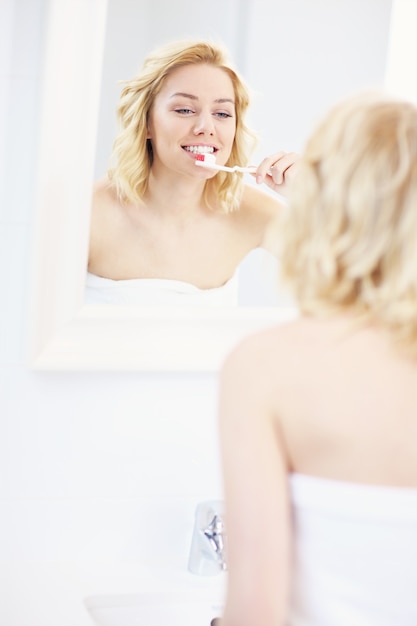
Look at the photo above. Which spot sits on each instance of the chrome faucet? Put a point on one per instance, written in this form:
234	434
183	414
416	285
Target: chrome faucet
207	553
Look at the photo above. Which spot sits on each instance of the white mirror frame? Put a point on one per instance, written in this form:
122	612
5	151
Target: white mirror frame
64	333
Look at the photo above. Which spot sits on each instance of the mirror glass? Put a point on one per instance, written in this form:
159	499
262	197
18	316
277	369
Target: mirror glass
298	58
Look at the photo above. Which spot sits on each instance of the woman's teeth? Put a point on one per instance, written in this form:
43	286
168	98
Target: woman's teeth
199	149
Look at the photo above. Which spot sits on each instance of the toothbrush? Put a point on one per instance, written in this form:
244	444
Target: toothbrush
209	160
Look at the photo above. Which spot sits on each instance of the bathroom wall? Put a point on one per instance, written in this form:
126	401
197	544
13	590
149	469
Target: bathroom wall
100	473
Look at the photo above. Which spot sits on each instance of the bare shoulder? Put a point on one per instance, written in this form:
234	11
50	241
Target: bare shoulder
263	352
104	205
102	218
103	193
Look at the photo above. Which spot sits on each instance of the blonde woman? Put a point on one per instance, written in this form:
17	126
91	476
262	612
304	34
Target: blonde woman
157	218
318	417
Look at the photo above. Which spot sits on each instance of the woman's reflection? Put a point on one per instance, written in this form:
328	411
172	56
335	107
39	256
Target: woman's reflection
164	231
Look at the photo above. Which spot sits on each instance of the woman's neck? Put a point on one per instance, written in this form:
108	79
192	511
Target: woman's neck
175	196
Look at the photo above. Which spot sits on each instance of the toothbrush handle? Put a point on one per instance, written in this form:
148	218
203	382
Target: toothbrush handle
249	170
214	166
223	168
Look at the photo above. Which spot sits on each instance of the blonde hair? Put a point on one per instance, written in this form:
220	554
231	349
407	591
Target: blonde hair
132	151
350	235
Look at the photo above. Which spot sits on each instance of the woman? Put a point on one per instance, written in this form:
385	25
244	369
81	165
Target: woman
159	217
318	417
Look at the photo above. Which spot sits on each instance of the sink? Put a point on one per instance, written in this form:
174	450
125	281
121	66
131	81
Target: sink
156	608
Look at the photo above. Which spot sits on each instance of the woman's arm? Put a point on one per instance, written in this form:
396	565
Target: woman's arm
255	491
263	209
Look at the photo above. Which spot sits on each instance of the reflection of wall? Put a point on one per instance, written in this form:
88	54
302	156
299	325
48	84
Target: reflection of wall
304	55
99	472
298	58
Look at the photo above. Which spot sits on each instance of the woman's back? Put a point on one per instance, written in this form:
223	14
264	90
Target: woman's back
347	402
343	407
350	430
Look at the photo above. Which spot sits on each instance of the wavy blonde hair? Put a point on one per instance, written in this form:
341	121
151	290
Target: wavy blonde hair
132	151
349	240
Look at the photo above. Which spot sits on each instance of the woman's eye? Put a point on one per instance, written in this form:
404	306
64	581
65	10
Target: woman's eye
223	114
184	111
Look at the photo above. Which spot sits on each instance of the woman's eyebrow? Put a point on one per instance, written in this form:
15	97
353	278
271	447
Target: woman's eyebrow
184	95
190	96
221	100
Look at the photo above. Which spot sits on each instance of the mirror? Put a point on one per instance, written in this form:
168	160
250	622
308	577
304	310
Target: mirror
297	57
279	88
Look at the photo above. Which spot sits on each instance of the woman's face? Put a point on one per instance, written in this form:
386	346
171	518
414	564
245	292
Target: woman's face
193	113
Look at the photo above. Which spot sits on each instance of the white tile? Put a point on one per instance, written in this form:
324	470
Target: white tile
4	109
6	41
21	145
13	275
7	9
112	435
32	594
154	532
29	28
5	483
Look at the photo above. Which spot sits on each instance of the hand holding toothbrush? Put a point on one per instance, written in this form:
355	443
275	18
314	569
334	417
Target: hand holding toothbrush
275	171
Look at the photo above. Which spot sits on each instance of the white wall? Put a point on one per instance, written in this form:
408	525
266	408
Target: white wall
100	473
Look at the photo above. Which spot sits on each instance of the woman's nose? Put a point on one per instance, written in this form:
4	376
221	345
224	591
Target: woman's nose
204	123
